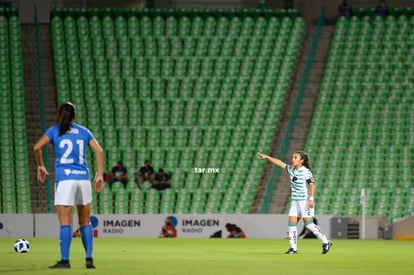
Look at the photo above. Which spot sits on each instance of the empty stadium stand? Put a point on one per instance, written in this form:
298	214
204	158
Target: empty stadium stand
185	88
204	89
360	135
15	191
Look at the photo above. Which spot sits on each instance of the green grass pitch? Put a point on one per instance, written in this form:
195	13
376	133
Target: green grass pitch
213	256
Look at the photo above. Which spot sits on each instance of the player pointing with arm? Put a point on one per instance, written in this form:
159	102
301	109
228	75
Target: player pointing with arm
72	178
302	187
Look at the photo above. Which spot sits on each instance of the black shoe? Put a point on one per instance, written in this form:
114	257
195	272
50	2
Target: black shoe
61	264
291	251
89	263
326	246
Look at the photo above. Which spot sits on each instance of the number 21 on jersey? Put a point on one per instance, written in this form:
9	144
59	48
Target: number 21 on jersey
68	147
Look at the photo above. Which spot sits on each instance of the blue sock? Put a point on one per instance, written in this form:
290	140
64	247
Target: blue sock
87	239
65	239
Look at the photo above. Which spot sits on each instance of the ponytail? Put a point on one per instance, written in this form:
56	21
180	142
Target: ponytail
305	157
65	116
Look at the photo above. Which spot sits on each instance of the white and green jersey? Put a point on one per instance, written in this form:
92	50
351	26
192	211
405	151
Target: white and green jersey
299	180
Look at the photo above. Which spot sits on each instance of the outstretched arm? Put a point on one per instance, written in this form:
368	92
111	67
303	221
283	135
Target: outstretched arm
275	161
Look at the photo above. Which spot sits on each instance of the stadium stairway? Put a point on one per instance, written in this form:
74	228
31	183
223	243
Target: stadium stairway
284	117
31	82
281	196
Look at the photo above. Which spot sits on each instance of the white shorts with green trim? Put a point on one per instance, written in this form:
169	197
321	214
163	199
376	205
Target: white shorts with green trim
301	209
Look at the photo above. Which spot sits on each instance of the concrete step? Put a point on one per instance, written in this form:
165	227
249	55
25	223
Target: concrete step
305	114
32	103
285	114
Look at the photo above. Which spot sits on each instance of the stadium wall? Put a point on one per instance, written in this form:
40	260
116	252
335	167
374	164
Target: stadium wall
404	229
260	226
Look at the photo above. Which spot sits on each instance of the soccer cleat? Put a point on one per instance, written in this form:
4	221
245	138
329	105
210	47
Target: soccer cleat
326	246
61	264
292	251
89	263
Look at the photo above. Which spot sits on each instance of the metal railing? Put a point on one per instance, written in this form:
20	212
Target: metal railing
374	3
175	4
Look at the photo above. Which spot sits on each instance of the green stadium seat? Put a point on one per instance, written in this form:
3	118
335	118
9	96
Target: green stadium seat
178	73
14	163
354	96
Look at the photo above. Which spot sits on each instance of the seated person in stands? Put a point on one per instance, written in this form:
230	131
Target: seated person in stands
381	9
119	173
345	9
162	180
146	173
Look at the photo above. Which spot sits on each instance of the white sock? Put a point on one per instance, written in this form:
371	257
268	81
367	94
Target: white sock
293	237
316	230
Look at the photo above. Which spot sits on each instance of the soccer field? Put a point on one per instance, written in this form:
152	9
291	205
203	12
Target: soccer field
213	256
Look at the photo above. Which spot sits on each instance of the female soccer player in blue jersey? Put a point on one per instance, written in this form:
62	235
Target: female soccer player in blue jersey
302	198
72	178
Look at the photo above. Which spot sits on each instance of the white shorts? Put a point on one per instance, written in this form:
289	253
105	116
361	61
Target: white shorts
71	192
301	209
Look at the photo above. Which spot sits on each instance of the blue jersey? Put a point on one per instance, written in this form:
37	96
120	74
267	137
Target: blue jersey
70	152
